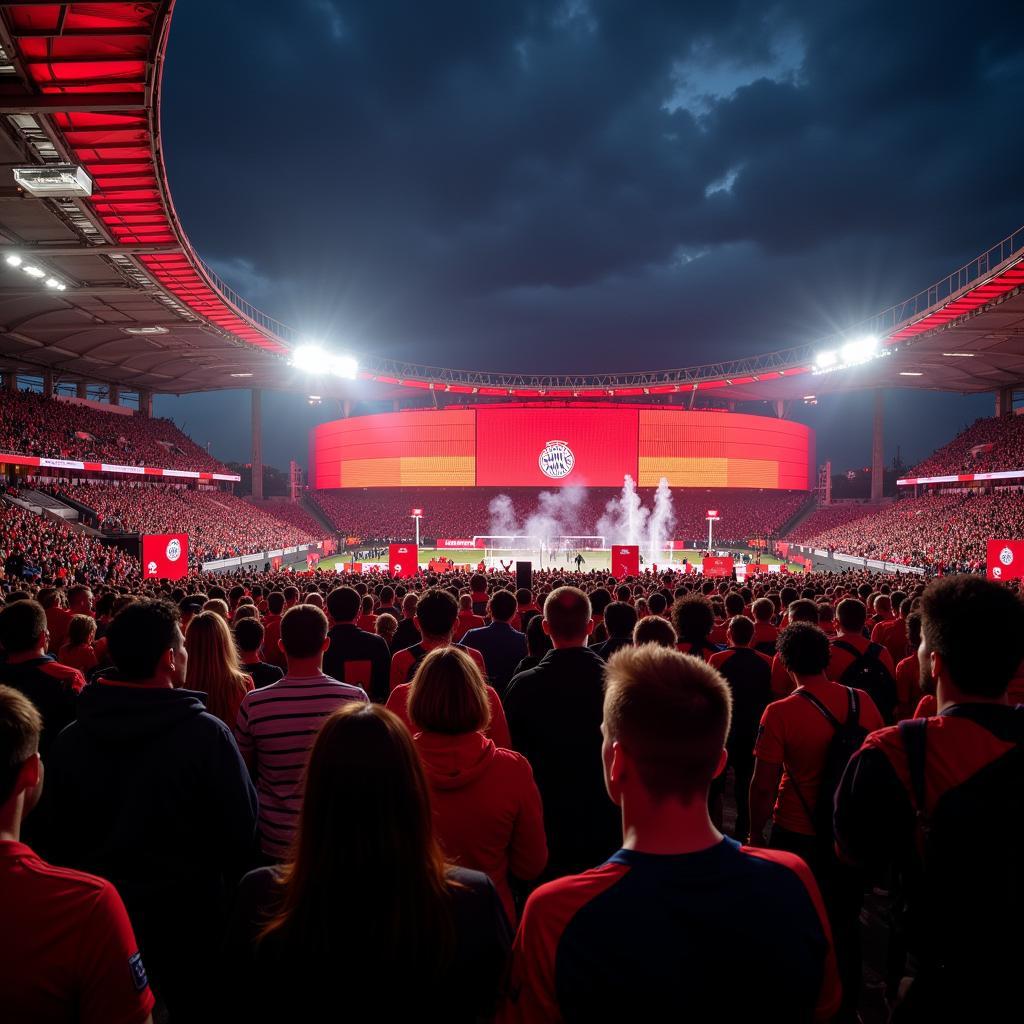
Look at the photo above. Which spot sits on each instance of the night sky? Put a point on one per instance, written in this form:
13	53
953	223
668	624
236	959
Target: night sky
585	185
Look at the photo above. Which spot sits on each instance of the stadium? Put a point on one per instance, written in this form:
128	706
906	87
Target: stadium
643	494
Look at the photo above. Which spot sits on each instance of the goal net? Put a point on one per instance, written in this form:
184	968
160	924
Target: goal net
584	542
495	546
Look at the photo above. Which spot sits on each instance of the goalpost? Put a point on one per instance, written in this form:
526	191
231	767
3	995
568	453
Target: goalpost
494	546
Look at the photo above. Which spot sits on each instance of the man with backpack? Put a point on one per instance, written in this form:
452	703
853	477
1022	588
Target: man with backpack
858	662
942	799
803	744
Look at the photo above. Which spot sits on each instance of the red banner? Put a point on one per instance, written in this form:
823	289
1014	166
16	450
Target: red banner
717	565
1005	559
783	548
403	559
756	567
165	556
312	558
626	560
464	542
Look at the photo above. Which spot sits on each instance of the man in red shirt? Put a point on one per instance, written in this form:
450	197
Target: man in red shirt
802	610
891	633
272	630
67	951
858	662
467	619
765	634
791	752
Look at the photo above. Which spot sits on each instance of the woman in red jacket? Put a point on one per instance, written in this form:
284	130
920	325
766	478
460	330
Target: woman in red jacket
487	810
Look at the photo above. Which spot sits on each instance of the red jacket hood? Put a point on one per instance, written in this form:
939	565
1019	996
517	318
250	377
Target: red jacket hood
453	762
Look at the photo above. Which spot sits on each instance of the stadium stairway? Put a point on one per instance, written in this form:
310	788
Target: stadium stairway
45	505
317	513
806	510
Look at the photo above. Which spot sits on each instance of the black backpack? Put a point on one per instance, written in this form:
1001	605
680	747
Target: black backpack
847	738
965	871
867	673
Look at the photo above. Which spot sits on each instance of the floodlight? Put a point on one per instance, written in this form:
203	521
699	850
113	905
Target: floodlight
309	358
344	366
54	180
825	359
52	282
14	260
148	329
859	350
33	271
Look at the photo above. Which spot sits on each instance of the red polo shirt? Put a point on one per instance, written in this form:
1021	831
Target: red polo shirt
67	951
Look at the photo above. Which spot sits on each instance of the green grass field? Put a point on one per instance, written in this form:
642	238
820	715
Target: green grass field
594	559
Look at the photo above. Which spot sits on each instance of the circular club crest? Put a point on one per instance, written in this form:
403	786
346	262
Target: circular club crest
1006	556
173	550
556	460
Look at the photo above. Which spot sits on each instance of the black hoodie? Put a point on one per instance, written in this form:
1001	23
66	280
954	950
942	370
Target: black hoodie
149	790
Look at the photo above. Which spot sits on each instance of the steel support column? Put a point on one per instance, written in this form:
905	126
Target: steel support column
257	444
82	389
878	449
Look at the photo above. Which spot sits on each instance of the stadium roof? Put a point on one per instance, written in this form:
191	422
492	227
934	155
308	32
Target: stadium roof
80	84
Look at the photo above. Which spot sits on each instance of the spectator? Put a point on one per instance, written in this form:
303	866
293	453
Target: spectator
554	714
386	626
367	620
277	725
69	951
467	620
487	811
131	785
921	795
213	667
799	739
630	940
77	650
620	618
765	634
892	633
748	673
407	633
51	686
538	643
435	618
502	646
802	610
694	618
249	638
355	656
858	662
654	630
272	630
908	671
442	926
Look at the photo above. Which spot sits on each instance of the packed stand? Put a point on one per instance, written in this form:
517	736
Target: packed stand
382	514
525	798
51	428
941	533
219	524
290	512
1000	446
830	518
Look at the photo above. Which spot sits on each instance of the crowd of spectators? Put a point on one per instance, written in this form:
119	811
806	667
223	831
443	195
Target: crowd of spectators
941	532
1000	444
55	429
383	514
210	839
219	524
830	517
290	512
50	549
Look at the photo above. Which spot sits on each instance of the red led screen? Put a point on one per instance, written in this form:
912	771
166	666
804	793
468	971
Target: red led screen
516	446
555	447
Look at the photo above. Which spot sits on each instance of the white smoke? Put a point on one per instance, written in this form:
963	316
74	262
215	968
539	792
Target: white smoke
557	515
662	521
625	518
503	521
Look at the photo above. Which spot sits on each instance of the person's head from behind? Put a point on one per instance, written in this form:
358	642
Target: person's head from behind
666	717
304	635
762	610
567	617
80	600
213	663
249	635
693	618
343	604
852	614
409	603
245	611
524	597
387	597
378	824
740	631
654	630
23	628
620	618
538	643
502	606
957	614
275	602
734	604
478	584
21	771
218	606
291	596
386	626
804	651
448	694
146	645
657	603
81	630
802	610
436	614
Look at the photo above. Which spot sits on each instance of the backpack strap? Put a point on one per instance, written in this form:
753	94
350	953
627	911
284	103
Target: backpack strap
826	714
914	734
845	645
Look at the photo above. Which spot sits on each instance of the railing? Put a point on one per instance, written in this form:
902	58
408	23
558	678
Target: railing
798	357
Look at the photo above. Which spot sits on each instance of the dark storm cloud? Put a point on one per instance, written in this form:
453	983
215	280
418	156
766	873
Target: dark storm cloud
590	184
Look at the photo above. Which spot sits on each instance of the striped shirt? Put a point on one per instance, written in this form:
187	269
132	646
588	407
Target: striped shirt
275	730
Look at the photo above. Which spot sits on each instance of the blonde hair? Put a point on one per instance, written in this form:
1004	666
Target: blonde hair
215	604
448	694
213	666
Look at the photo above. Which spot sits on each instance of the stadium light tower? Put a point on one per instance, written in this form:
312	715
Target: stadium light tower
713	517
417	514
